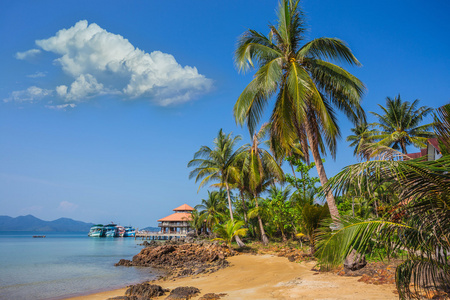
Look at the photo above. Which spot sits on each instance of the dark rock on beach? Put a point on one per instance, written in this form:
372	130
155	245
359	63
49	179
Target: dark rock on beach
183	293
212	296
181	259
145	290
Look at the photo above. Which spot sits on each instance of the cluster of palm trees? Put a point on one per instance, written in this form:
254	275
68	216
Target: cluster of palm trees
387	201
416	223
400	126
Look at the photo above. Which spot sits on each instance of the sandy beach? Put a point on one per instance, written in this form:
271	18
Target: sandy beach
271	277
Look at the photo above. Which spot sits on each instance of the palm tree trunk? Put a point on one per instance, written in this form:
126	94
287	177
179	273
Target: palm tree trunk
283	235
238	240
264	238
321	171
245	209
303	140
230	208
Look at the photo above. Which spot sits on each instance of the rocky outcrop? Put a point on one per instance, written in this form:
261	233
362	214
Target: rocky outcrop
183	293
182	259
145	290
212	296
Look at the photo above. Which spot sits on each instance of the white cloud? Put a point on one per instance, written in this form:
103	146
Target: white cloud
67	206
27	54
83	87
61	106
31	94
101	62
37	75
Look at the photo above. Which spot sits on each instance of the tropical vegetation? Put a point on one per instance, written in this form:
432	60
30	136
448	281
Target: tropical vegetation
264	190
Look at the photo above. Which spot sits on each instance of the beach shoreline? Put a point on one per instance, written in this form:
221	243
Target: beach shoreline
269	277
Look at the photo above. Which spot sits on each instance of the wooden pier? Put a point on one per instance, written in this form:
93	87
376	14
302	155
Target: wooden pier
158	235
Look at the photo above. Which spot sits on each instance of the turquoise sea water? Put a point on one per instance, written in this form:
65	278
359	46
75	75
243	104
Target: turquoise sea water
65	264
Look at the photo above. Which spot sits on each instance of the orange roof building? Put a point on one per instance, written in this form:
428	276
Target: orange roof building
178	222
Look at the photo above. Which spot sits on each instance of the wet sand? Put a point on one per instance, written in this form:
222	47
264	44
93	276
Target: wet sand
271	277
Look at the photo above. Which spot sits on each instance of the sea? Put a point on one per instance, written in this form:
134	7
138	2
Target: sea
64	265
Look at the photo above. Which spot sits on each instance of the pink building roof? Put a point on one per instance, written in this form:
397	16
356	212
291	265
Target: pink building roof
184	207
177	217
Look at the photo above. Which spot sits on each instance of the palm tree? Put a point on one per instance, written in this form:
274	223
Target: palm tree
197	221
259	170
442	127
361	138
229	230
305	84
400	124
217	164
213	208
423	230
312	215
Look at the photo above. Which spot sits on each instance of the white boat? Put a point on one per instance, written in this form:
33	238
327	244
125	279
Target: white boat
96	231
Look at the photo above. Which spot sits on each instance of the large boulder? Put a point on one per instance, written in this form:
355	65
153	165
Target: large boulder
355	261
145	290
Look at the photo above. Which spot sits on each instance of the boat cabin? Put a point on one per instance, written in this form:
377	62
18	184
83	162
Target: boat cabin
177	222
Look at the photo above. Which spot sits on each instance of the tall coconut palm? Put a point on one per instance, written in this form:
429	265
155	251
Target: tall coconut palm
400	124
306	86
217	164
361	137
259	170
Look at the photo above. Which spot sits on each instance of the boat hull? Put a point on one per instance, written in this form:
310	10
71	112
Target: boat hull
95	234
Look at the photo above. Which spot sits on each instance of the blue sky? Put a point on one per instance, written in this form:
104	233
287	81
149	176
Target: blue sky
103	103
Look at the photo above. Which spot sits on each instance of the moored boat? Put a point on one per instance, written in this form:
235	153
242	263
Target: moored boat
120	231
96	231
110	230
129	231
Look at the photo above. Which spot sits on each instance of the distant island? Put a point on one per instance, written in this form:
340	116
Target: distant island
31	223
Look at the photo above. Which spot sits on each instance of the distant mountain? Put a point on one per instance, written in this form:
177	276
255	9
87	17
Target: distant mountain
151	229
31	223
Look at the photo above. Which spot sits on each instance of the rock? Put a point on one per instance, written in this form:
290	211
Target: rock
145	290
355	261
211	296
191	234
152	243
182	259
124	262
373	273
183	293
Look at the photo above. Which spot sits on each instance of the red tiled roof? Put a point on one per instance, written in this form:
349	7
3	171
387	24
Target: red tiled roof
434	142
177	217
415	155
184	207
